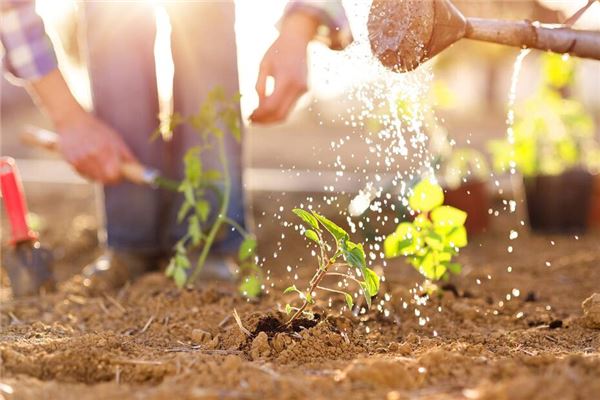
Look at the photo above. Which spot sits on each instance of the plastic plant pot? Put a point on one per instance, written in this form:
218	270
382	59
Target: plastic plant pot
473	198
559	203
594	209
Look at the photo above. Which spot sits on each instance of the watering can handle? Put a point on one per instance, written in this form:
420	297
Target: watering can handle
132	171
527	34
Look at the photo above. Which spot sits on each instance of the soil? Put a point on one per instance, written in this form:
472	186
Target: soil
479	338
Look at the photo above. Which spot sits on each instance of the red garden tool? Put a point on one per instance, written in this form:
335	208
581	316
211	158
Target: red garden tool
28	264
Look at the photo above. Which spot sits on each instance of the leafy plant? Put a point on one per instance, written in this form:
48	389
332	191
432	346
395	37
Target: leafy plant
217	115
329	255
433	238
551	133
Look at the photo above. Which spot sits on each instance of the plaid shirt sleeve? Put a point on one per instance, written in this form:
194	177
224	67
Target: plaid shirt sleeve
28	53
334	29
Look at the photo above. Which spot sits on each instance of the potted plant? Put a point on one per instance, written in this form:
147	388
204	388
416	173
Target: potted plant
553	148
463	174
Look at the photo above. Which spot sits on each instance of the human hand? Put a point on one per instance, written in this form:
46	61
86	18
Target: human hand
94	149
286	63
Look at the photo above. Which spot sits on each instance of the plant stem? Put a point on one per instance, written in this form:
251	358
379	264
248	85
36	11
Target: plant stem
313	285
221	217
236	226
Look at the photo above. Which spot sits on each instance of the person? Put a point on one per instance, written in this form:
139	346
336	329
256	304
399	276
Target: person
140	222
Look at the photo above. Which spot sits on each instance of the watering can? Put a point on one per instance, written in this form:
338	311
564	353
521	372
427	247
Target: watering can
405	33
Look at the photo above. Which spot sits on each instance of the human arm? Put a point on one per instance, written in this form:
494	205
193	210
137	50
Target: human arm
94	149
286	59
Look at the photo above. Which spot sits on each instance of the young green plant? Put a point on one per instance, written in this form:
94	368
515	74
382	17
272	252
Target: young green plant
433	238
338	252
217	115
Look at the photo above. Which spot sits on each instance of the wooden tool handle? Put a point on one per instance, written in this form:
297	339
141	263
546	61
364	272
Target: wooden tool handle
132	171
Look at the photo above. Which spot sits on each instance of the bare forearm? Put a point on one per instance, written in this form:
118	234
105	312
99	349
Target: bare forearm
52	94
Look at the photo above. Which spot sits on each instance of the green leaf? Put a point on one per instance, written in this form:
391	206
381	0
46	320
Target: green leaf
181	261
448	216
455	268
312	235
337	232
457	237
170	271
402	241
180	277
307	218
425	265
203	209
251	286
372	282
421	222
188	192
426	196
434	241
247	248
194	229
308	296
349	300
288	309
193	165
354	254
183	211
439	271
291	289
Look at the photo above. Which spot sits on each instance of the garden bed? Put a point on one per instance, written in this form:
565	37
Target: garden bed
151	340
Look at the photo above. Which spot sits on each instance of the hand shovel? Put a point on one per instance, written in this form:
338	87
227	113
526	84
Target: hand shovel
133	172
28	264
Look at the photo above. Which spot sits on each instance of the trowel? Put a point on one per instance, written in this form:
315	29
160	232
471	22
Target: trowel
405	33
132	171
28	263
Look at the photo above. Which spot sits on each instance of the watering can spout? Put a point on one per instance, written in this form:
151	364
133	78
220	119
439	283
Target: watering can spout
405	33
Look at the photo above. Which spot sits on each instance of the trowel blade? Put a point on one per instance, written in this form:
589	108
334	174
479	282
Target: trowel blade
29	269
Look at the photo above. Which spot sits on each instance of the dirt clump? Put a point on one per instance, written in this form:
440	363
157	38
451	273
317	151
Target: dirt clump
260	347
382	372
591	311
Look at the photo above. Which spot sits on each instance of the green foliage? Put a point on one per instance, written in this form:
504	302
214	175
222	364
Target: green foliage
330	256
551	133
433	238
216	115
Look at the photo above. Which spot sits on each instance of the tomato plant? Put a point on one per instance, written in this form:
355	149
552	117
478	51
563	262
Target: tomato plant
217	115
552	133
332	255
433	238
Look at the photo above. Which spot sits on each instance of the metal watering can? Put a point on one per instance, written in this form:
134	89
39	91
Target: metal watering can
406	33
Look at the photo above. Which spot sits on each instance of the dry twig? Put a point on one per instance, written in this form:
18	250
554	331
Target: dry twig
239	323
145	328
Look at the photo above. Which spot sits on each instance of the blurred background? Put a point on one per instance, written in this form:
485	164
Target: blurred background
468	91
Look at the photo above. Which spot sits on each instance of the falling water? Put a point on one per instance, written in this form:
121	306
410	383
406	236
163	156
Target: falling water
512	96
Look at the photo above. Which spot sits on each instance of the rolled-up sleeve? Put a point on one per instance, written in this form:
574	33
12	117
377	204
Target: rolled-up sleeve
28	53
334	28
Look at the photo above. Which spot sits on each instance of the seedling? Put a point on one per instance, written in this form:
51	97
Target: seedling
433	238
332	256
216	112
